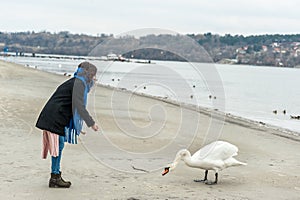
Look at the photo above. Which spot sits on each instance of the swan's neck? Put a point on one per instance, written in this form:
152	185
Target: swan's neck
188	161
191	163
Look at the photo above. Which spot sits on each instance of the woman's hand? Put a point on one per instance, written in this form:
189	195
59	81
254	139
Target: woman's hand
95	127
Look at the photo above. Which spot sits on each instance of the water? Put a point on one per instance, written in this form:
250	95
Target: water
250	92
254	92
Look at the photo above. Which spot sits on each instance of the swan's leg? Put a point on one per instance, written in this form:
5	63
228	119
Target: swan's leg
216	180
205	177
213	183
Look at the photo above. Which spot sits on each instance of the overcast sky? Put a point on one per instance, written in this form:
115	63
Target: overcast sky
184	16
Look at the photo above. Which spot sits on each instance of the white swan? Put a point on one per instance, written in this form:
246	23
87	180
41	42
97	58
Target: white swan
215	156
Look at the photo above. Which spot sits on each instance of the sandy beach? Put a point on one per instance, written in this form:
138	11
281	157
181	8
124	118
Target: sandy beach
98	171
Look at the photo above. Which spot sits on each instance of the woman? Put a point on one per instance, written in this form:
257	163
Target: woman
61	118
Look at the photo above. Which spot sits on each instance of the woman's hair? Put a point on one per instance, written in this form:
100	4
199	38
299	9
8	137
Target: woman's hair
88	70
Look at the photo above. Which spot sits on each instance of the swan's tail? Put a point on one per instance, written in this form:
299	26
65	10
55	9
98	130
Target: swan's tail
242	163
233	162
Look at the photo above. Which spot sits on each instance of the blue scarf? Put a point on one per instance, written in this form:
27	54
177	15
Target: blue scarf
72	131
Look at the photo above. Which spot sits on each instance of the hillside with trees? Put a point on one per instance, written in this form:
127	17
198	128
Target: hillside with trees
50	43
272	50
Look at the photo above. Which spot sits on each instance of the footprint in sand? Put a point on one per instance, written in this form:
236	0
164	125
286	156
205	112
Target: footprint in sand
278	173
282	175
12	124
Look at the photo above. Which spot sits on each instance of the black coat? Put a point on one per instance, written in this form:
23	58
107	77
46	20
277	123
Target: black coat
57	112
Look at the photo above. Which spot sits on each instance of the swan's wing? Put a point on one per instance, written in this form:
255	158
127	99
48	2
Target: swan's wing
218	150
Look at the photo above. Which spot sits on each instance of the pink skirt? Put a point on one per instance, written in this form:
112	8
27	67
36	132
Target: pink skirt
50	144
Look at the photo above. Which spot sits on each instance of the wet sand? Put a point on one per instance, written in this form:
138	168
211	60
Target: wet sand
95	167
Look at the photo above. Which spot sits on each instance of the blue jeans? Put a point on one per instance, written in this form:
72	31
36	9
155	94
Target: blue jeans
55	167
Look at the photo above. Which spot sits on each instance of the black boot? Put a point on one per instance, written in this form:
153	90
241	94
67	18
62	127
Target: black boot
64	180
56	182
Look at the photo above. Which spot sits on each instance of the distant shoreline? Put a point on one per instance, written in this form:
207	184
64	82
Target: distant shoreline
142	61
281	50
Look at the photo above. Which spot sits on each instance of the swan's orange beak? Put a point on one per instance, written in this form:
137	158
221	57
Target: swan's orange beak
165	171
